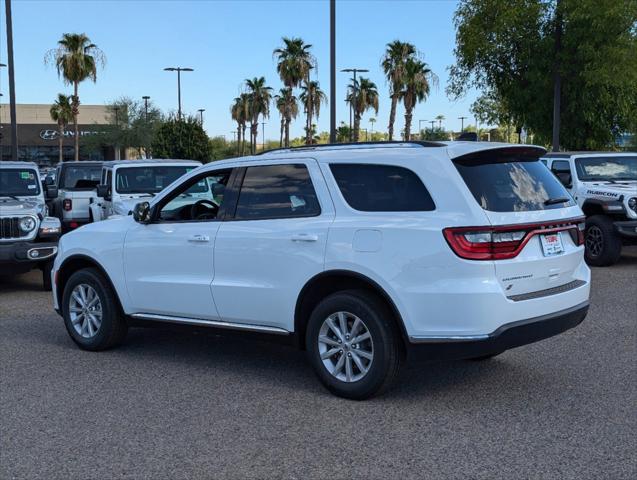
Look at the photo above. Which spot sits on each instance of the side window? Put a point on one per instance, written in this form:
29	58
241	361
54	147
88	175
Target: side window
199	199
381	188
109	178
277	191
560	166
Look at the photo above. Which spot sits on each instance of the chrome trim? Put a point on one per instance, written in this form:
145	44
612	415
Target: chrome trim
43	257
210	323
567	287
445	338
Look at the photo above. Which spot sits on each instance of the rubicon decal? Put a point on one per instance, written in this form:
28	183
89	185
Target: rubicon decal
600	193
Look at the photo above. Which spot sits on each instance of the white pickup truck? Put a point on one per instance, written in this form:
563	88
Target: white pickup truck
124	182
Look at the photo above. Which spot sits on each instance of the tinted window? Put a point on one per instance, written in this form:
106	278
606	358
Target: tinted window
381	188
151	179
19	182
606	168
511	181
80	176
277	191
560	166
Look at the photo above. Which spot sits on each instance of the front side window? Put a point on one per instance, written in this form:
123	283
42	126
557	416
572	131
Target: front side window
511	181
196	200
277	191
381	188
609	169
19	182
80	177
149	179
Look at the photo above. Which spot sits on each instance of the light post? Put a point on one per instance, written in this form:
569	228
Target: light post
263	136
420	128
354	71
332	71
178	70
146	98
201	110
117	153
462	123
234	136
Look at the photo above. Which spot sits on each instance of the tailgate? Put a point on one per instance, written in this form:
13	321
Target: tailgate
80	201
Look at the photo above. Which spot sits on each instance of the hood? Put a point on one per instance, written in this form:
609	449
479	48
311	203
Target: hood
22	206
610	191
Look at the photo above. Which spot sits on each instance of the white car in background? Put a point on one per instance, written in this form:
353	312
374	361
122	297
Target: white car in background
124	183
356	253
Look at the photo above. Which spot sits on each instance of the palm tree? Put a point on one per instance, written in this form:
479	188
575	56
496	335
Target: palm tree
62	112
362	95
294	61
312	97
239	112
417	79
372	121
393	64
440	118
288	107
259	98
76	59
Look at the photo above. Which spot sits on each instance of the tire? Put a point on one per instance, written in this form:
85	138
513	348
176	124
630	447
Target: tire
384	344
603	245
112	328
46	275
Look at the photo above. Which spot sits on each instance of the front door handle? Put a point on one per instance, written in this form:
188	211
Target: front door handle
304	237
199	238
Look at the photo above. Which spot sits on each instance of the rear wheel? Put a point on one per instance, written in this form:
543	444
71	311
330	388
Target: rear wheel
91	313
353	344
603	245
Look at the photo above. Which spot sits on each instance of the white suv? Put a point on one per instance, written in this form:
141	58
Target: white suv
357	253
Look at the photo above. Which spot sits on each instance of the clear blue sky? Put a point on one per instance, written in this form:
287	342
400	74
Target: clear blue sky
226	42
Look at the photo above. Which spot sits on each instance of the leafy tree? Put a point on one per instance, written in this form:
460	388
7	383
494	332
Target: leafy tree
362	95
220	148
61	112
239	111
259	97
440	119
508	48
393	63
436	133
182	139
312	97
76	59
288	107
417	81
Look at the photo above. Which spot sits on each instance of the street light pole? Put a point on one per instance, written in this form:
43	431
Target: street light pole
12	107
146	98
201	110
178	70
332	71
462	124
355	93
420	128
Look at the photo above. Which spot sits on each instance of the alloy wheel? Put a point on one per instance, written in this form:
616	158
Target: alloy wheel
594	240
85	310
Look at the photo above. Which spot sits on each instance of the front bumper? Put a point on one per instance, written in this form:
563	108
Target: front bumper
508	336
627	229
19	257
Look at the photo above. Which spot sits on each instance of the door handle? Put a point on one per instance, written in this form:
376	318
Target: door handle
199	238
304	237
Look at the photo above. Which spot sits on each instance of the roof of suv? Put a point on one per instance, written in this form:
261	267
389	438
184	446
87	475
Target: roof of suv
16	164
149	161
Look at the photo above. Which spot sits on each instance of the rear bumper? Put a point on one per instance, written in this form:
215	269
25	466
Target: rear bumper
510	335
627	229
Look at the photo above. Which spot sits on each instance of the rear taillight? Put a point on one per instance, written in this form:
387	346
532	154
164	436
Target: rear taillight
67	204
506	241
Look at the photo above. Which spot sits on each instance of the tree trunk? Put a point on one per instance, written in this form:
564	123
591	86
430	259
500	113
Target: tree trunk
287	132
308	125
282	132
357	126
408	115
76	111
243	139
392	117
61	141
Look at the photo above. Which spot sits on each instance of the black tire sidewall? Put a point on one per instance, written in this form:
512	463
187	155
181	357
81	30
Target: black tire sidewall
612	246
110	310
375	317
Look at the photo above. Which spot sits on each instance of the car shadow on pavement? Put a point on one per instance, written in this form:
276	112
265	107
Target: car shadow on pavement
20	283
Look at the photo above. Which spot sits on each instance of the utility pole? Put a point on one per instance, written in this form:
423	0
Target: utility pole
178	70
462	119
332	71
12	108
557	78
201	110
146	98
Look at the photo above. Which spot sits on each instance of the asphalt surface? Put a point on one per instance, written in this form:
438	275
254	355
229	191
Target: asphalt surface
190	405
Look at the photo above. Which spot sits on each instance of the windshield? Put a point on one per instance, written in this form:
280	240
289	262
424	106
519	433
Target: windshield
19	182
511	181
80	177
151	179
606	169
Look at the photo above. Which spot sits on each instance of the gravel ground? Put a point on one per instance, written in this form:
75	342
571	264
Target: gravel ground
190	405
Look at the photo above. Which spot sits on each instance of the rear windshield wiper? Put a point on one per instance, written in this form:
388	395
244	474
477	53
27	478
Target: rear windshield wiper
553	201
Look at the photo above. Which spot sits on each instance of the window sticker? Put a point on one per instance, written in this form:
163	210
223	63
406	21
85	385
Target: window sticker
297	202
24	175
31	187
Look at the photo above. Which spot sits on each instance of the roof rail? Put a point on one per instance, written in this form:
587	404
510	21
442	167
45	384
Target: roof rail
354	144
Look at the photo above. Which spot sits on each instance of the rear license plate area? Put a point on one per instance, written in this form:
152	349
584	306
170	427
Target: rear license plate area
551	244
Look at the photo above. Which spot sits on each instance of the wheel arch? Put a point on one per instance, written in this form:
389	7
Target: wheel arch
332	281
592	207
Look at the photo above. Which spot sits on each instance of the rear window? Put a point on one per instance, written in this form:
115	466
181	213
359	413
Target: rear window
512	181
381	188
80	177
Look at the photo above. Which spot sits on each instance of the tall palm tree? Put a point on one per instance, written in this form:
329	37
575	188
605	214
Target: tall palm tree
259	97
312	97
417	84
239	112
393	63
61	112
440	119
288	107
76	59
294	61
362	95
372	121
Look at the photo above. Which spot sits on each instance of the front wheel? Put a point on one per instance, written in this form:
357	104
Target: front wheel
353	344
91	312
603	245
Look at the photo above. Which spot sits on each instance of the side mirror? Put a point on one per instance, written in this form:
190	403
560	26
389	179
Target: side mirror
142	213
48	181
51	192
103	192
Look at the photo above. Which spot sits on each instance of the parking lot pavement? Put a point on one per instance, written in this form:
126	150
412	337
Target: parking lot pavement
190	405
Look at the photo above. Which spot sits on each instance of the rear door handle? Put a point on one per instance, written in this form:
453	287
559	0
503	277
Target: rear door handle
199	238
304	237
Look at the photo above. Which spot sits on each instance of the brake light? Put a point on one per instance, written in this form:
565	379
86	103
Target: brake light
67	204
506	241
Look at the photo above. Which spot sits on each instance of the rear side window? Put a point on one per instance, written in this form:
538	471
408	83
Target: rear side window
511	181
277	191
381	188
80	177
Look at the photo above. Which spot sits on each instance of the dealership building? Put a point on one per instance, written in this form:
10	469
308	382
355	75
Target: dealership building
38	134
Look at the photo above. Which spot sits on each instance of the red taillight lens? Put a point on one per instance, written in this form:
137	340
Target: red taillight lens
506	241
67	204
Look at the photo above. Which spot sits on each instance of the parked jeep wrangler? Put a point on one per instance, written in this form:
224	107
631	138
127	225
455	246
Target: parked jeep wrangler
28	236
604	185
